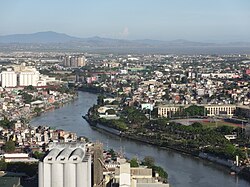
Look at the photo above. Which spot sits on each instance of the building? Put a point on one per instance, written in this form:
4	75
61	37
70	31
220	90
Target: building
98	164
211	110
28	77
21	76
8	78
81	61
169	110
66	165
18	157
74	61
220	110
126	176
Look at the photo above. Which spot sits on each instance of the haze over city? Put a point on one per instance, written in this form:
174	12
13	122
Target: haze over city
130	93
204	21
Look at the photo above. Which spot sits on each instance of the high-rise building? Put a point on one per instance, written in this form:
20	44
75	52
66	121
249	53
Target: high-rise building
66	165
8	78
98	167
74	61
28	77
81	61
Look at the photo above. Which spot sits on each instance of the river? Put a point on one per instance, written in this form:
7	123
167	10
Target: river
183	170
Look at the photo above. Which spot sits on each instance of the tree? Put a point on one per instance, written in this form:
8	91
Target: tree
5	123
162	173
9	147
38	155
194	111
3	165
197	125
27	97
166	96
37	110
110	111
30	88
100	100
149	161
134	163
112	152
225	129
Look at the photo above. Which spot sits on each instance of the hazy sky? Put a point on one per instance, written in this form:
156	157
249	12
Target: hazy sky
198	20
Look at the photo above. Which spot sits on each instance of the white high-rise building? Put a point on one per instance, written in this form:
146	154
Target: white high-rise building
28	77
74	61
66	165
8	78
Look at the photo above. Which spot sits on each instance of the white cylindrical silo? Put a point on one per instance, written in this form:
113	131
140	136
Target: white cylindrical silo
57	175
47	175
40	175
69	175
80	175
89	171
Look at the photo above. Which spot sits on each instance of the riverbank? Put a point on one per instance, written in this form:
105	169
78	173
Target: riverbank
53	106
183	170
229	165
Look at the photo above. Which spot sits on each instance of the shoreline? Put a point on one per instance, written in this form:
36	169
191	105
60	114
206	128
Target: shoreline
52	107
232	169
245	174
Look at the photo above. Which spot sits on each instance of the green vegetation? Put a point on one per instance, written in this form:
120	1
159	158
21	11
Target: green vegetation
30	169
150	162
37	110
110	111
133	116
5	123
112	153
130	116
193	139
3	165
30	88
134	163
26	97
116	124
38	155
9	147
193	111
162	173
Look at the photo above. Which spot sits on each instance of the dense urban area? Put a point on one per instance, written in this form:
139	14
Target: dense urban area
194	104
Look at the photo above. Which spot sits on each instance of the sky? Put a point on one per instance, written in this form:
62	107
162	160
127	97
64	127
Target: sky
196	20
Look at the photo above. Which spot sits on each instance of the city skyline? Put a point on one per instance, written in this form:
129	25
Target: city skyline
213	21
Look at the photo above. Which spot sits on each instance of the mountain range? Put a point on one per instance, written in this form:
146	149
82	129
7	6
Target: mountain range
54	40
54	37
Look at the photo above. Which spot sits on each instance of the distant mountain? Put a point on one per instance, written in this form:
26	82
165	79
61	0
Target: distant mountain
63	42
39	37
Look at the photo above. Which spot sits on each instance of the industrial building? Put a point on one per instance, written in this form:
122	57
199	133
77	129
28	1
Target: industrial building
66	165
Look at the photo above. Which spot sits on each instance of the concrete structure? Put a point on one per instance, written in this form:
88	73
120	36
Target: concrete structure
98	167
21	76
169	110
220	110
18	157
231	137
124	178
8	78
74	61
28	77
135	177
66	165
211	110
